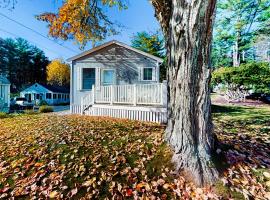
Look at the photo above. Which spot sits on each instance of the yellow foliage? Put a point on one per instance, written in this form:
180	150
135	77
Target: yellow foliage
58	73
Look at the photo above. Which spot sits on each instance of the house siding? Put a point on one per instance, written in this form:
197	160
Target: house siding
128	66
4	97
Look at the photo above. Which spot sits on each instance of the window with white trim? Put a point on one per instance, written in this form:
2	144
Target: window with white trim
108	76
147	74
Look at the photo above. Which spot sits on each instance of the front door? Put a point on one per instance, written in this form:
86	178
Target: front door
89	78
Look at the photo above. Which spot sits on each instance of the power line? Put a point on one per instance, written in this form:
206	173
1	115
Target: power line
5	31
40	34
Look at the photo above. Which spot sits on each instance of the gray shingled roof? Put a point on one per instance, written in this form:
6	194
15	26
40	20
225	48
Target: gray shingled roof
117	43
4	80
56	88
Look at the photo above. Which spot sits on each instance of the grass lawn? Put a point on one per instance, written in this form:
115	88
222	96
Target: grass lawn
244	139
48	156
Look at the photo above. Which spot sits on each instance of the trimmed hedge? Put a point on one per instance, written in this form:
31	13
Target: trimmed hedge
3	115
43	103
45	109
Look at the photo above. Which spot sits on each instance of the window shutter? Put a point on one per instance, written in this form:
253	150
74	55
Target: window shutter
79	78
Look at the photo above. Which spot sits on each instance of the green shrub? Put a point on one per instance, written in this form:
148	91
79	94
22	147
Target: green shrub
252	76
30	112
43	103
3	115
45	109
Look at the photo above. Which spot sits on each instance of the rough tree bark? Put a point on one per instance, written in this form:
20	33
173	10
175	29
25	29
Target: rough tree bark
187	26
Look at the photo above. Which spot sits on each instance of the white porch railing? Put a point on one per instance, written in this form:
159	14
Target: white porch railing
142	94
98	102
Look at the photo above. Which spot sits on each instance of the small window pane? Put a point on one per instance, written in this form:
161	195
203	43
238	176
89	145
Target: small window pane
54	96
48	95
108	77
147	74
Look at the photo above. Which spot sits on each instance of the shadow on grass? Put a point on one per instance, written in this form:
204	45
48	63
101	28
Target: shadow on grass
227	109
242	134
242	115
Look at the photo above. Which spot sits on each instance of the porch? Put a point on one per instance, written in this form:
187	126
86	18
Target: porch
144	102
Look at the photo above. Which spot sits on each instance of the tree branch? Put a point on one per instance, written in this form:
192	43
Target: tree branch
163	13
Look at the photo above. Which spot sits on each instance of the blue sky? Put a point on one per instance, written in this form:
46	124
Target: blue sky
138	17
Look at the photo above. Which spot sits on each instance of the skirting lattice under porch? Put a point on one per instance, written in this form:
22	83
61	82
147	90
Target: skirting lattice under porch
149	114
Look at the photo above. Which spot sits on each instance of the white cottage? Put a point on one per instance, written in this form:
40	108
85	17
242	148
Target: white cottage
53	95
117	80
4	94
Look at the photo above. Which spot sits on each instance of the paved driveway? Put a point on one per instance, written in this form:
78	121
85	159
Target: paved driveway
61	110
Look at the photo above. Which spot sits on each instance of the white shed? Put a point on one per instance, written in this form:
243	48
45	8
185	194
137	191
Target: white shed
4	94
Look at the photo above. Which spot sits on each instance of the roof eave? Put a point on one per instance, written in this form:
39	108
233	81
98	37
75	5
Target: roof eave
160	60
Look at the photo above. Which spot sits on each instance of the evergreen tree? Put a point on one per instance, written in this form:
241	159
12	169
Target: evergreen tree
22	62
238	22
152	43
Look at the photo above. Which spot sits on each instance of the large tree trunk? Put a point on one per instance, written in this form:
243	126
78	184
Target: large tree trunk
189	131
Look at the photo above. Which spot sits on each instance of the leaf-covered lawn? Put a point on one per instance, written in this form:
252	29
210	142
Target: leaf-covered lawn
48	156
244	135
73	156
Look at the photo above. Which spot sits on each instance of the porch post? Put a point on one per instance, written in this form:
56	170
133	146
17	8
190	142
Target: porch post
134	94
93	94
112	94
164	93
82	105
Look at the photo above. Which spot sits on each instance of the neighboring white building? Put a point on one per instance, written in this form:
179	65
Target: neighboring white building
117	80
53	95
4	94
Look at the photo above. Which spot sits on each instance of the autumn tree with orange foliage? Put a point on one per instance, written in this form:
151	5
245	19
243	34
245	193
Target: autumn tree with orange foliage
58	73
82	20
